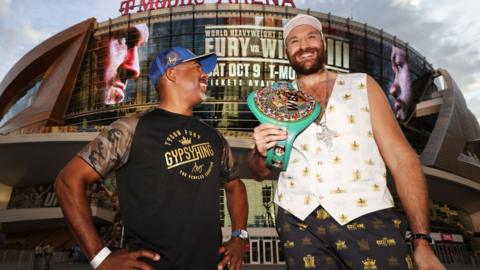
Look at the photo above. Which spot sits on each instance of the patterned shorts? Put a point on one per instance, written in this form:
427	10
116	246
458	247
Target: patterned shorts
371	242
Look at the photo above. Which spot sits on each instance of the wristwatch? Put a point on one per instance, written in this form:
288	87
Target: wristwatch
243	234
426	237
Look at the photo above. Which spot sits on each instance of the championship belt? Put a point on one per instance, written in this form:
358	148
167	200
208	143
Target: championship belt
284	106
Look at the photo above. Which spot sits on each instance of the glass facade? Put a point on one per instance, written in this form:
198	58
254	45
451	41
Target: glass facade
248	41
249	44
23	102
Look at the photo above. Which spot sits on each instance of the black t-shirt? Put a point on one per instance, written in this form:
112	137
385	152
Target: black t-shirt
169	169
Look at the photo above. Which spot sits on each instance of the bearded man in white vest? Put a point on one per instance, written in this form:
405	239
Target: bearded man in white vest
335	210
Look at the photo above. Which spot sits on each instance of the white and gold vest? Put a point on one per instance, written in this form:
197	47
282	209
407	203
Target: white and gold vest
337	164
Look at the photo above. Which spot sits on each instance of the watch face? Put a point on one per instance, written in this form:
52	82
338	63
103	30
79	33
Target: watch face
425	237
243	234
284	104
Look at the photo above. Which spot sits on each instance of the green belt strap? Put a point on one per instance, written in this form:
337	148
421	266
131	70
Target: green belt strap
284	106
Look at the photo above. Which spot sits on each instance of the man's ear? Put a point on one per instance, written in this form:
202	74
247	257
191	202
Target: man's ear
171	74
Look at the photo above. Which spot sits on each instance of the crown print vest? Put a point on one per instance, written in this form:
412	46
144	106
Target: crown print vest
337	164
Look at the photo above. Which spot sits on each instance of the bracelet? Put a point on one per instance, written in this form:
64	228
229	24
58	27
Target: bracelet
100	257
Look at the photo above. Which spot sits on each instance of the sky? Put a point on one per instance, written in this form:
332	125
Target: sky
446	32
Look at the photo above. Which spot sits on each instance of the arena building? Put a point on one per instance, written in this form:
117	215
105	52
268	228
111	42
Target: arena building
60	94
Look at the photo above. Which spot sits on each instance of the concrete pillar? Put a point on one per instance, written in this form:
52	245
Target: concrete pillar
476	221
5	192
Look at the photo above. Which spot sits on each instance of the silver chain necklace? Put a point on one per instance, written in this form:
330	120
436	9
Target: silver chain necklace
326	135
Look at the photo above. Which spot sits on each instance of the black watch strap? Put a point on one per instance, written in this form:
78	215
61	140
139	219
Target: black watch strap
423	236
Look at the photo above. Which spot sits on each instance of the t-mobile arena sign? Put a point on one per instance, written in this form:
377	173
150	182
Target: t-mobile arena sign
132	6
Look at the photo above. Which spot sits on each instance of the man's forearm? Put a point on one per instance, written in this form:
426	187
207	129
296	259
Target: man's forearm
237	204
77	213
412	190
258	165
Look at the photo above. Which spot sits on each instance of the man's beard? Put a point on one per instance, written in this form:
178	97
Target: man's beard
300	69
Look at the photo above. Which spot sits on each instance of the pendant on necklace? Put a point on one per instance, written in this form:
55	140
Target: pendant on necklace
327	135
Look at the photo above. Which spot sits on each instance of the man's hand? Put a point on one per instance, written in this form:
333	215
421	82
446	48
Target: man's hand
425	258
123	259
266	136
233	252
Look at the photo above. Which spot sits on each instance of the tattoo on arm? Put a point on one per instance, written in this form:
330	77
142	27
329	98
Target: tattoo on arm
96	154
113	136
109	149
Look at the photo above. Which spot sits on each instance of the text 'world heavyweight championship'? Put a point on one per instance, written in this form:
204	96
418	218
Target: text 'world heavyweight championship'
285	106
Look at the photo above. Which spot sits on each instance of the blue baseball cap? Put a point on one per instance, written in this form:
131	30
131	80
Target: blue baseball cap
174	56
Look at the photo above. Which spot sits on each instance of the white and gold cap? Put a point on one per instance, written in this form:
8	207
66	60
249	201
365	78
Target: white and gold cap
298	20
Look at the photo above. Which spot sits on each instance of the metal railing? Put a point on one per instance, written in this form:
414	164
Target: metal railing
454	254
24	259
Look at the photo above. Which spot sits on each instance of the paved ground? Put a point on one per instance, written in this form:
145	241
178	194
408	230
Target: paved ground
85	266
78	266
245	267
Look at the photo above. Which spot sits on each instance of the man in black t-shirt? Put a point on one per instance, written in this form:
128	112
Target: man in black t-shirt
169	168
